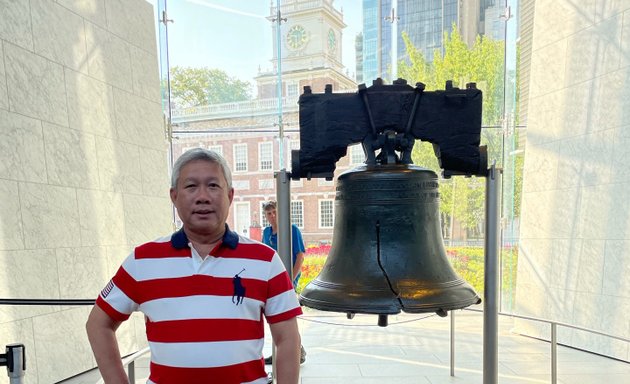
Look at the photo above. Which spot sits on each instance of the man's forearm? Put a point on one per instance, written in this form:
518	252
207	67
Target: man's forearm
102	336
288	362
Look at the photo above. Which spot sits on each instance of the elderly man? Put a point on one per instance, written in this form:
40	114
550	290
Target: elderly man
204	291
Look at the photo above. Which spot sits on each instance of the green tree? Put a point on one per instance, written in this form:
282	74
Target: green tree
461	198
192	87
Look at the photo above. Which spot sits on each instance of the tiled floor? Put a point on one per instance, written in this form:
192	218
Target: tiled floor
416	349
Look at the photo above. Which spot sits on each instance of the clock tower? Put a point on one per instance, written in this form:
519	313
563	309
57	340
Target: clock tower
310	48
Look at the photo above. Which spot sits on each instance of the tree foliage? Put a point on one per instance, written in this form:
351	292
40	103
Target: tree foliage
192	87
461	198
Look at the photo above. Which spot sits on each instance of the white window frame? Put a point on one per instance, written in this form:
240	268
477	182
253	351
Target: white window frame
218	148
265	156
356	154
331	213
242	221
297	213
238	163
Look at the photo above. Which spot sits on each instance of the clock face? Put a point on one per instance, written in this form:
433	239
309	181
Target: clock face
296	37
332	41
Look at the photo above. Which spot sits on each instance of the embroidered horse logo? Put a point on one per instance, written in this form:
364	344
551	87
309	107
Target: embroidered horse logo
239	290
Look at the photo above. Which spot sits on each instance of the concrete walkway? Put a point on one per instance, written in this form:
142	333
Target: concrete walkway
415	349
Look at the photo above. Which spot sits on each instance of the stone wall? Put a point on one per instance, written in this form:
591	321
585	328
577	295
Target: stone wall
574	259
83	167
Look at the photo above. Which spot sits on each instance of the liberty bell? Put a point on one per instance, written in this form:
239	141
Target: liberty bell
387	252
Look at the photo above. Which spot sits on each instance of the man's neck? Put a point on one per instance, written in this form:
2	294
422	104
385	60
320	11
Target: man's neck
204	243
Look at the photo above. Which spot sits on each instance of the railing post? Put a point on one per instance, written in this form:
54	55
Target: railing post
491	273
131	372
15	361
452	343
554	353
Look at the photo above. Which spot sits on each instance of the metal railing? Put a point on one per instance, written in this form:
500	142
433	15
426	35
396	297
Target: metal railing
129	361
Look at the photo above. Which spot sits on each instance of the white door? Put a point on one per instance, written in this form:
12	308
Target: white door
242	217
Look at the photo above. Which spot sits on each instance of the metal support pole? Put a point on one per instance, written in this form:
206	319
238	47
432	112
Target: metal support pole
15	360
554	353
452	343
131	372
491	274
283	187
283	212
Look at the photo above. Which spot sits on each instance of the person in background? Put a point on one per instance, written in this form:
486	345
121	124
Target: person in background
204	291
270	237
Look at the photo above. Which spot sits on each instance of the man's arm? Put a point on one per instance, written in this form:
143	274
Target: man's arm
286	338
101	330
297	266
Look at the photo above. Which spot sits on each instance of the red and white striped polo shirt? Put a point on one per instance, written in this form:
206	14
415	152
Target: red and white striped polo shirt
204	321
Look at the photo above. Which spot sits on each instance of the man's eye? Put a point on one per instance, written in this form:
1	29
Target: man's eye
189	186
214	186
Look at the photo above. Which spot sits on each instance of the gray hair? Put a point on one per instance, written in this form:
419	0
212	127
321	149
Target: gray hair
200	154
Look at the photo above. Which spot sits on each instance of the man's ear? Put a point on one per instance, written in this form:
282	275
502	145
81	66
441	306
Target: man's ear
231	195
173	193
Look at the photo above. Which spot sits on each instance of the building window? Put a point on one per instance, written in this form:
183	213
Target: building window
356	154
263	219
265	155
326	216
266	184
292	90
216	148
240	157
241	185
297	213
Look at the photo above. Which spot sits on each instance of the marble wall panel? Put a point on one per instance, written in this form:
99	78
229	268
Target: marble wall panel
35	86
541	167
594	51
617	270
591	267
620	168
11	234
547	106
21	331
119	166
4	96
563	259
59	34
102	217
610	105
70	157
154	165
139	121
585	160
90	105
27	274
16	23
603	212
146	82
576	120
549	68
22	148
115	257
133	20
555	20
147	216
108	57
92	10
61	338
50	216
81	271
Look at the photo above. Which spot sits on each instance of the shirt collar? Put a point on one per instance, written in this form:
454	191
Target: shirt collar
180	240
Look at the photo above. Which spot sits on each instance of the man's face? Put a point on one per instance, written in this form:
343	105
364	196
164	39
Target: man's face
202	197
270	214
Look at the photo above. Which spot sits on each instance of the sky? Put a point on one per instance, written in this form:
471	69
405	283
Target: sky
234	35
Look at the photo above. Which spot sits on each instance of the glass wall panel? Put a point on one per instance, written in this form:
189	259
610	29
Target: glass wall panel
237	68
